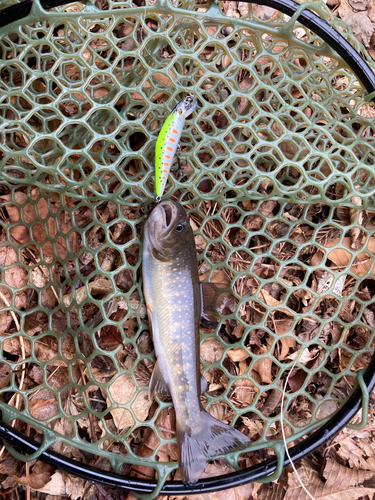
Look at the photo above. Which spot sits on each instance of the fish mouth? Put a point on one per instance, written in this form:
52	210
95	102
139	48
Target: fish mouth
169	213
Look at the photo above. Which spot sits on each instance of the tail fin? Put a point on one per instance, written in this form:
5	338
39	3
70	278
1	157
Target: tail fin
210	438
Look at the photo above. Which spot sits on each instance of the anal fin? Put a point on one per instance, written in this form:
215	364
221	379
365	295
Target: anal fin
158	384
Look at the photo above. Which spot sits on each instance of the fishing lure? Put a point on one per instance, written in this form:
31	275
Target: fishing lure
168	140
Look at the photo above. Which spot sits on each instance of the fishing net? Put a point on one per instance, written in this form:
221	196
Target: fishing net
278	180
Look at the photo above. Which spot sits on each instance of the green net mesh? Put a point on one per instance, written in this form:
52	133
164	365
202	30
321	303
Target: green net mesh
279	184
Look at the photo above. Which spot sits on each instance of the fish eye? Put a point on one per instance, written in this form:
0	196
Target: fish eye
180	111
179	228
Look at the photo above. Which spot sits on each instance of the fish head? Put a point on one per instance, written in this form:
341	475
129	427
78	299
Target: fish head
186	107
168	229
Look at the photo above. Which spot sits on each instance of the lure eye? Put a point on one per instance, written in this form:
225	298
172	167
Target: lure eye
179	228
180	111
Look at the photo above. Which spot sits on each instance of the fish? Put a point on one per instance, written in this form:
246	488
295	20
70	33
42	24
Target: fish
173	295
168	140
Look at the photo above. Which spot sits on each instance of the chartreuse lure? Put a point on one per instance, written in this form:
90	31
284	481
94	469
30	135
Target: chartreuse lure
168	140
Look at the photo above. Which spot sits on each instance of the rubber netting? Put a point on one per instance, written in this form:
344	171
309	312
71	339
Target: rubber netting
278	179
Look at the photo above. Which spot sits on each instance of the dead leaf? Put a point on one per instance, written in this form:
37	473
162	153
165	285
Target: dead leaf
263	368
243	393
74	486
359	451
360	24
238	355
361	264
268	299
16	277
212	350
122	389
287	344
9	465
141	405
218	468
341	483
43	404
35	481
122	418
271	403
56	485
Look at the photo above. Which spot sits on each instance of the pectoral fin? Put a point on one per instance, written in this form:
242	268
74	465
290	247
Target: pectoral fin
158	384
158	256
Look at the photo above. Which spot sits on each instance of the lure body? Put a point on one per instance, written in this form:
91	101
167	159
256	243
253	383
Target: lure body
168	140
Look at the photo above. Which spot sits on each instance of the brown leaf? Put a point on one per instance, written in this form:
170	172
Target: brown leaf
74	486
122	389
361	264
255	427
243	392
327	408
218	468
56	485
341	483
268	299
306	296
263	368
212	350
287	343
16	277
141	405
162	78
9	465
297	379
272	402
358	450
43	404
371	244
360	24
267	207
142	470
238	354
122	418
35	481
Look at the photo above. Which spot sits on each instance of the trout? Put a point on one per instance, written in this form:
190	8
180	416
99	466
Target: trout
173	296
